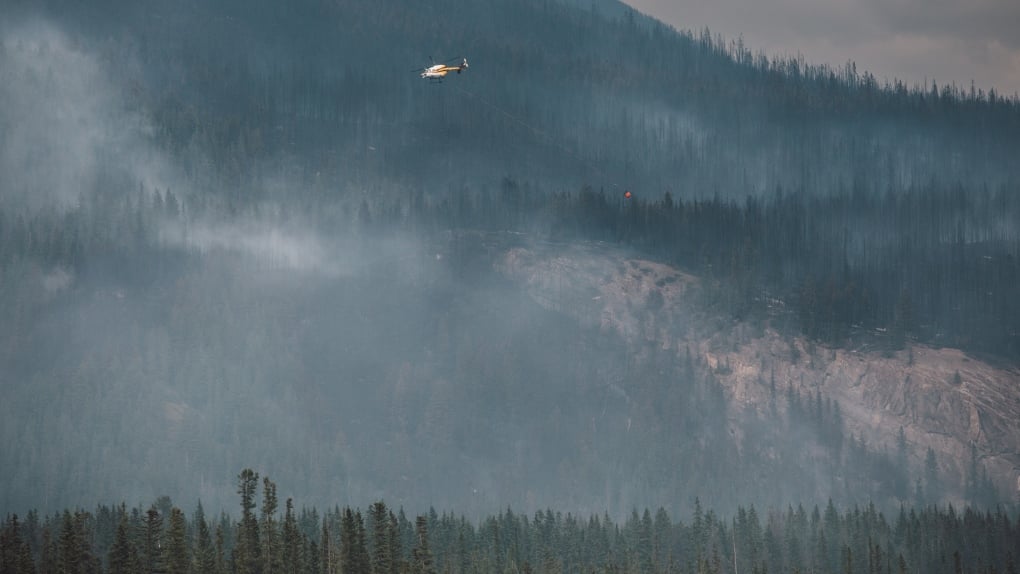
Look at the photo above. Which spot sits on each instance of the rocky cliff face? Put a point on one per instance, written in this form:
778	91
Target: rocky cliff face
941	398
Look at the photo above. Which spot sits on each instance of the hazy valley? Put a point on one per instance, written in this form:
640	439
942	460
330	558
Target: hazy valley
249	236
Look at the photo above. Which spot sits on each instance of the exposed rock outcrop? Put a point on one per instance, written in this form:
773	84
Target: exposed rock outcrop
942	398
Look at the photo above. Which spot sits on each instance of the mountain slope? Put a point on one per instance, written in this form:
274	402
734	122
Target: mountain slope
246	234
941	398
557	94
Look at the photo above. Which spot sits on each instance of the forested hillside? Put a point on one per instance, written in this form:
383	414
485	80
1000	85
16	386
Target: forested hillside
246	234
384	358
557	95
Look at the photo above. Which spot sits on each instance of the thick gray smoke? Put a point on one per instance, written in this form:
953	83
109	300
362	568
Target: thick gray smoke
64	123
66	130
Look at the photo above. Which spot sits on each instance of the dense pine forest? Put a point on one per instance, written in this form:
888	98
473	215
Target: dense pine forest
936	266
889	207
196	308
244	234
267	538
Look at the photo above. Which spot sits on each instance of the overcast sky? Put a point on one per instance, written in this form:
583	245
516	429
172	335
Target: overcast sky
950	41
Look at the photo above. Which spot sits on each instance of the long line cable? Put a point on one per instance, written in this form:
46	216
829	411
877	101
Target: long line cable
536	131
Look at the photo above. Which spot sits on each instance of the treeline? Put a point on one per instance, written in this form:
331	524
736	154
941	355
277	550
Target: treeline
382	540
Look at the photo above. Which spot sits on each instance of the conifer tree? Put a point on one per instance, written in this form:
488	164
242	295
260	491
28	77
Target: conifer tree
152	559
661	538
177	559
247	552
221	550
49	555
71	548
90	563
69	556
361	562
327	549
270	537
8	540
23	562
348	536
123	556
397	562
644	542
901	485
15	554
354	557
919	498
291	550
462	548
381	553
697	531
311	563
421	556
932	484
205	553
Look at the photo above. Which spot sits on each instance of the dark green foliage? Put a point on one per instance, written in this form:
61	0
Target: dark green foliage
123	557
15	554
292	551
854	540
269	530
247	556
205	558
311	563
75	549
398	564
290	340
221	553
152	555
48	552
421	554
329	558
360	559
178	553
382	555
353	552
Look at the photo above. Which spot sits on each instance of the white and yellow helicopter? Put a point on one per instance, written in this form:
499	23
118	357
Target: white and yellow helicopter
437	72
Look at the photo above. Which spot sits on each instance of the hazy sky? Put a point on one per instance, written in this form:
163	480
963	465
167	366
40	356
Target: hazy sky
952	41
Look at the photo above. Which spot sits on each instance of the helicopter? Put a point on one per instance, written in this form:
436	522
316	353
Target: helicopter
437	72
